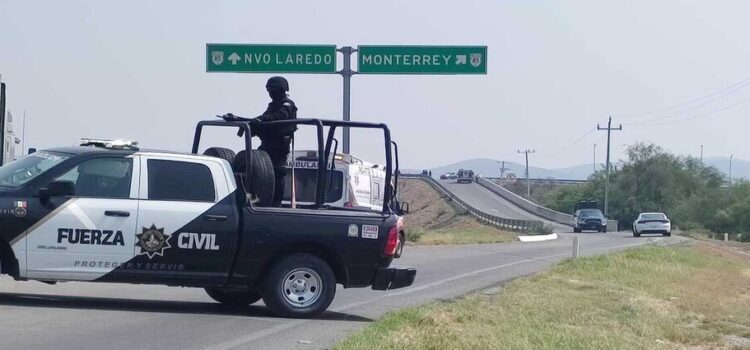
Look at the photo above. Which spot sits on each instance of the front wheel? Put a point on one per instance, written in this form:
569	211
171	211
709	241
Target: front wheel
299	285
233	297
667	234
576	230
604	229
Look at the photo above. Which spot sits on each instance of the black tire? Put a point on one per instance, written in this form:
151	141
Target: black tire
668	234
223	153
261	183
576	230
604	230
400	247
636	234
277	284
233	297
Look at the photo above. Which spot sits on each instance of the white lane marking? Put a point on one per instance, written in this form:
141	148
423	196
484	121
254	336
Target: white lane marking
537	238
81	216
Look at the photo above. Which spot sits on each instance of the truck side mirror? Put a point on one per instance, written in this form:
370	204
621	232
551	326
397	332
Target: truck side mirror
404	207
58	189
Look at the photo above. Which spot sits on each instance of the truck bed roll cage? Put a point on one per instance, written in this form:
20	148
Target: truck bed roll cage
324	150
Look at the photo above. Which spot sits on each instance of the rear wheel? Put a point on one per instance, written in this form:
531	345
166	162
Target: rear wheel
261	183
668	234
576	230
604	229
636	233
233	297
299	285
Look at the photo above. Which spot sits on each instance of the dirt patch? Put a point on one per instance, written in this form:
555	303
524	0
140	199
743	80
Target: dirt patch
723	250
428	209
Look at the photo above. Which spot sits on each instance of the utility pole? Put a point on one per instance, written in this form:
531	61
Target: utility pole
701	155
594	158
609	129
730	169
502	169
528	186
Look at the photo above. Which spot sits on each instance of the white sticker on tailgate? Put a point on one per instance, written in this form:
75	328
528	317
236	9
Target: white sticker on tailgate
370	231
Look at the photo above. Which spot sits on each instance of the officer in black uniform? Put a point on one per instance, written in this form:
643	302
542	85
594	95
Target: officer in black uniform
275	139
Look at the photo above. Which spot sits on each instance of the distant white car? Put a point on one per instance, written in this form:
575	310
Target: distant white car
652	223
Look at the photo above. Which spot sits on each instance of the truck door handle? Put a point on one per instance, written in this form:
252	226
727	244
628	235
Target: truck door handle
117	213
214	217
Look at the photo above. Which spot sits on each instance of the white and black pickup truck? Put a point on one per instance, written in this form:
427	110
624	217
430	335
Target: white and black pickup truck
105	213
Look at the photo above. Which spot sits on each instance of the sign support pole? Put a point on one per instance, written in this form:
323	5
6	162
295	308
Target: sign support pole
347	73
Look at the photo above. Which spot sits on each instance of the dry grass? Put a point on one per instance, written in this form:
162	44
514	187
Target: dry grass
649	298
433	221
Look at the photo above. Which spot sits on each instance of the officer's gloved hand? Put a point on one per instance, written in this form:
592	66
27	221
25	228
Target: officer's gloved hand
229	117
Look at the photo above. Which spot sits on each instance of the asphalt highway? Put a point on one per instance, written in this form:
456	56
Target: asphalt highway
73	315
485	200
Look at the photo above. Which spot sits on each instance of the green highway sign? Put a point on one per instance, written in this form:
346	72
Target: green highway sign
385	59
250	58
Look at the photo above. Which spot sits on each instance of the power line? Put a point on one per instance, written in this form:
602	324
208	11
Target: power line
731	89
656	122
564	148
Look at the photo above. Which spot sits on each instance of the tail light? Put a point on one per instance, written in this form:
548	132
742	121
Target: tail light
392	242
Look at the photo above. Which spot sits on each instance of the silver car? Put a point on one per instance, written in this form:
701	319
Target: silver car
652	223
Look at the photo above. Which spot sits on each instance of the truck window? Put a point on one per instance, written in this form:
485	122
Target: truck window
306	185
180	181
101	178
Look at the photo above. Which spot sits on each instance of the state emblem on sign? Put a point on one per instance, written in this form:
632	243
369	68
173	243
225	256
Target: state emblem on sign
217	57
476	59
153	241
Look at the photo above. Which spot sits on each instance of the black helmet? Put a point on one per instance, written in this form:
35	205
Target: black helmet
277	82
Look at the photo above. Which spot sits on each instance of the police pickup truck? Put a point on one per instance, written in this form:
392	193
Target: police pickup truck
110	212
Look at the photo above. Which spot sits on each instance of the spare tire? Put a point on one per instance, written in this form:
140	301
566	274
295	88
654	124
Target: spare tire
218	152
261	183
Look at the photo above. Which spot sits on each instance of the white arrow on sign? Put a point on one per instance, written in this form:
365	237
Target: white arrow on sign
460	59
234	57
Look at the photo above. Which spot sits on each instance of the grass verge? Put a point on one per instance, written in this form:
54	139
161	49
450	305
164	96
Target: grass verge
647	298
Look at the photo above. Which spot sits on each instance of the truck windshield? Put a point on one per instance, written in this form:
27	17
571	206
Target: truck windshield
306	185
591	213
19	172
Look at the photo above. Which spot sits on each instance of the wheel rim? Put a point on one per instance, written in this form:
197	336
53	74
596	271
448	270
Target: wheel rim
302	287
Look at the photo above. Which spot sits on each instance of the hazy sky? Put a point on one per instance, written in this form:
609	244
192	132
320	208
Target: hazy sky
136	69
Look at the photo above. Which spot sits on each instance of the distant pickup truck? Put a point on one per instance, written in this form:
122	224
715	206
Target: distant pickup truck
110	212
588	216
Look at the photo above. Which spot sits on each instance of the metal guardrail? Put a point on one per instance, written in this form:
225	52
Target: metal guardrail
536	209
525	226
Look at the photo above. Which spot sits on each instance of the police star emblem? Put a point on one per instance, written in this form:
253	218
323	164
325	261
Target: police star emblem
153	241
